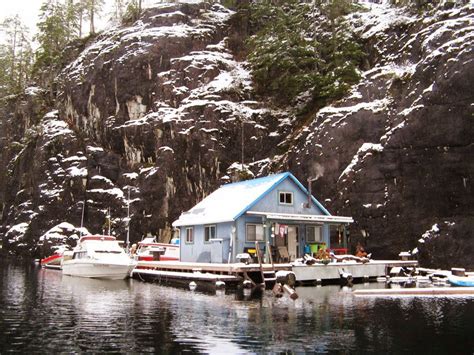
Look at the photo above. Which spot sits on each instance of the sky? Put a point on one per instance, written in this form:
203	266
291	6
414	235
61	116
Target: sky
29	11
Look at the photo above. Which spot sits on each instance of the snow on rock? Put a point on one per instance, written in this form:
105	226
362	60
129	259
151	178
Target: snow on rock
16	232
364	151
34	91
378	19
92	149
53	127
77	172
115	193
130	176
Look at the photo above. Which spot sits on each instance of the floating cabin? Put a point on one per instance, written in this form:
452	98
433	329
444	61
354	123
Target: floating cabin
275	211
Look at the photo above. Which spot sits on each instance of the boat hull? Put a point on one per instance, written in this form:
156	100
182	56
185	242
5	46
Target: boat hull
97	270
461	281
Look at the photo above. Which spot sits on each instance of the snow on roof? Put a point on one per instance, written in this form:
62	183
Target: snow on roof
226	203
229	202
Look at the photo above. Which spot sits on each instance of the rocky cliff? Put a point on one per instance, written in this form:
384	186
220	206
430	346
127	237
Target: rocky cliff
157	110
396	154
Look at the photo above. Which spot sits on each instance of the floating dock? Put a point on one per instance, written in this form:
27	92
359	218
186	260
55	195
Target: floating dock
206	275
357	270
427	291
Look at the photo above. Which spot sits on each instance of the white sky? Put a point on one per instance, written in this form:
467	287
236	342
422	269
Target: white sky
29	11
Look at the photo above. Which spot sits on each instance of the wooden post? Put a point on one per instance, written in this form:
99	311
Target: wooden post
271	257
259	257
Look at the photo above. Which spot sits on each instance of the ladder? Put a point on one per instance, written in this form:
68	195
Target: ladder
267	275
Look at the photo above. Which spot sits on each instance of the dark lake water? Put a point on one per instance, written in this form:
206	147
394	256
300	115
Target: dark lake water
42	311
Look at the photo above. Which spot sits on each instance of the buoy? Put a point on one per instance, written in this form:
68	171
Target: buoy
192	285
220	285
247	284
346	277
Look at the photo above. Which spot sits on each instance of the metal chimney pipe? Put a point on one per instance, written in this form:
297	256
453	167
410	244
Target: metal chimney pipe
308	205
310	180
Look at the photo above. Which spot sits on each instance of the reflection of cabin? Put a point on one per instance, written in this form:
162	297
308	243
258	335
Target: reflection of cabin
272	209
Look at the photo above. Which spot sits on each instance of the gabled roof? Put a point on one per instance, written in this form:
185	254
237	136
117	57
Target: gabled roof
230	201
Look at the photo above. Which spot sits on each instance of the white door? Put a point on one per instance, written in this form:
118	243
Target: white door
292	242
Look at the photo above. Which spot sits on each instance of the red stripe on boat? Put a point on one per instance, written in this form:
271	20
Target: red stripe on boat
50	259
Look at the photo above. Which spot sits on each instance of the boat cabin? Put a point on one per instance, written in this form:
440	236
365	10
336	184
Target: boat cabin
275	211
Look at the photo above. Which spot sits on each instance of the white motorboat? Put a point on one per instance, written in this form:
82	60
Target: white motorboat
100	257
150	250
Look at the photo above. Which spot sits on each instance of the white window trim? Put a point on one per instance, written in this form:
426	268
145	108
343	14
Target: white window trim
186	236
285	203
256	225
215	232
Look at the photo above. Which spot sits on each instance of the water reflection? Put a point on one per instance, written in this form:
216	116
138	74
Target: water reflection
42	311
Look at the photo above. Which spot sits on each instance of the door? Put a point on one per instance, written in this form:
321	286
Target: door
293	242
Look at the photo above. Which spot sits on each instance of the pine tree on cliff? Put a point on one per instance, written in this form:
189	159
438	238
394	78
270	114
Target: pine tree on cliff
93	8
341	50
53	35
72	12
15	56
133	11
302	51
118	13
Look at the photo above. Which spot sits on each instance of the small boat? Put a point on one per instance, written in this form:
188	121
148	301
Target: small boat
100	257
149	250
55	261
463	281
52	262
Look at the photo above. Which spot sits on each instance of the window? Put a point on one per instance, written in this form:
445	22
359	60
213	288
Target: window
80	255
209	233
189	235
286	198
254	232
313	234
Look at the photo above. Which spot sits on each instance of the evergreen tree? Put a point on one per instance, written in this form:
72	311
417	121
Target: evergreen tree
133	11
302	48
15	56
118	13
53	35
81	14
72	12
93	8
4	71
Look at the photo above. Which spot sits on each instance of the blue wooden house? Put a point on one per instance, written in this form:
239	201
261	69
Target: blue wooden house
275	211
